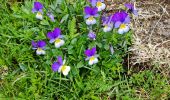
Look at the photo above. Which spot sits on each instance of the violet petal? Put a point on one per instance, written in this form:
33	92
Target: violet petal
55	66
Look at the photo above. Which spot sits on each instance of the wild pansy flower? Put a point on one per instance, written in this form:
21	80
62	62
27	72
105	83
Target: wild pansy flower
91	56
56	37
121	19
107	23
51	16
60	66
99	4
92	35
132	8
90	13
39	47
38	8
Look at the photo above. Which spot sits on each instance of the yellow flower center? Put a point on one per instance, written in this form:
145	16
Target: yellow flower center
63	68
99	4
39	49
122	26
92	58
57	41
105	26
39	13
90	18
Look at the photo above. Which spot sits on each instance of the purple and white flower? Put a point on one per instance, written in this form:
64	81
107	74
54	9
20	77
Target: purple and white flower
39	47
60	66
38	8
121	21
56	37
92	35
51	16
91	56
98	3
107	23
90	13
132	8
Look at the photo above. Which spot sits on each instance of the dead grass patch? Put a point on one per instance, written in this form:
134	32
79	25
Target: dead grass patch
151	39
151	42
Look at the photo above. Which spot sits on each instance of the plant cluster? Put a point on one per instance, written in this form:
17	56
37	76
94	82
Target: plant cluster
92	15
70	49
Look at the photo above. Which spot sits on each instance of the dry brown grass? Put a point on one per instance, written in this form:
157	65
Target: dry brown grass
151	39
151	42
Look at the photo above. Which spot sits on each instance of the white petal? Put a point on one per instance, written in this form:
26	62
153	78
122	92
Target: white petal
99	8
126	29
90	62
121	31
62	42
93	21
59	44
95	60
43	52
40	52
90	22
103	6
66	71
59	70
39	16
107	29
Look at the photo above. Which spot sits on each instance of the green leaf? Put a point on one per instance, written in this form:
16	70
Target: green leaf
70	49
44	22
99	45
55	5
22	67
74	41
26	10
2	61
64	18
106	46
80	65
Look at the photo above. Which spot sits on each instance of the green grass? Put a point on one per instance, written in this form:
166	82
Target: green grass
24	75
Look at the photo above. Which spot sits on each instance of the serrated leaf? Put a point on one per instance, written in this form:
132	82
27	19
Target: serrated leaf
72	28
